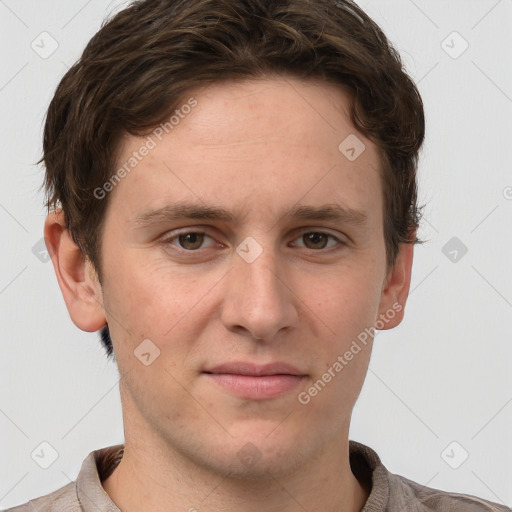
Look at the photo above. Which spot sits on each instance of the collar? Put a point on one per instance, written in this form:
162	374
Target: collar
99	465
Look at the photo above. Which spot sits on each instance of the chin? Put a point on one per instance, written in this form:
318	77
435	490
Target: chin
249	454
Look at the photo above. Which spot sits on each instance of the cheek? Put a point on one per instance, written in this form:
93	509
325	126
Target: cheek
170	308
346	313
152	298
346	301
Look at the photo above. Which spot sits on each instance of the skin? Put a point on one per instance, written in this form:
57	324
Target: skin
257	148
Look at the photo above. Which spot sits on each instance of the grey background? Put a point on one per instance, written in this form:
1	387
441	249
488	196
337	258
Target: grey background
442	376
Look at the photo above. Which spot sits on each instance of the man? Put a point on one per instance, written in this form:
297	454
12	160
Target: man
232	187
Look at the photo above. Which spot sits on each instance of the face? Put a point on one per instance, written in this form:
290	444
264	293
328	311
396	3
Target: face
243	257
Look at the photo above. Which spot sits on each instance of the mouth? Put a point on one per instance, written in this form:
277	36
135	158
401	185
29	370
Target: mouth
256	382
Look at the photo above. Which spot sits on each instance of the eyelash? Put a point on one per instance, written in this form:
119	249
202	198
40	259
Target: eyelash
169	241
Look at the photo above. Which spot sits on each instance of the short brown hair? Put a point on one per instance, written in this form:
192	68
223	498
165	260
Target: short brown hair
137	68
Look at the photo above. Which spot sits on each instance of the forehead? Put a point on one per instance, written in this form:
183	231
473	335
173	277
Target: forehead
256	145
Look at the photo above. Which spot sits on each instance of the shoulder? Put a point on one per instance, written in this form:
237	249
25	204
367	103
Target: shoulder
390	492
86	492
64	498
414	496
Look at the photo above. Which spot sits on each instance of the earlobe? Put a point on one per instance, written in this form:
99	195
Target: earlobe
76	277
396	289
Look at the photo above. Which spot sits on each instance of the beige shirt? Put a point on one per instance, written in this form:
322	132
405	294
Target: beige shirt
389	492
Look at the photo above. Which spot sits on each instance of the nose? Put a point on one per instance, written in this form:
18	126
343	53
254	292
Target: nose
259	300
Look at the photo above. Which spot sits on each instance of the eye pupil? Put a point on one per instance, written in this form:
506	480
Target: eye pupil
315	238
191	240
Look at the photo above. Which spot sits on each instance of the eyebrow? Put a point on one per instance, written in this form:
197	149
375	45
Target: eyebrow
181	211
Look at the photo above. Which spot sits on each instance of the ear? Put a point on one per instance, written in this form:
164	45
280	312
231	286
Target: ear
75	274
396	289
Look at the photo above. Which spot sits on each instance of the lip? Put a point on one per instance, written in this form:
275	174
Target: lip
255	382
255	370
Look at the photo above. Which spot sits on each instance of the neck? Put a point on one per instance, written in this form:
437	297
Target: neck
154	480
156	475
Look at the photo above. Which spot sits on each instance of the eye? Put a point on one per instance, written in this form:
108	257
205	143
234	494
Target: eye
194	240
189	241
317	240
